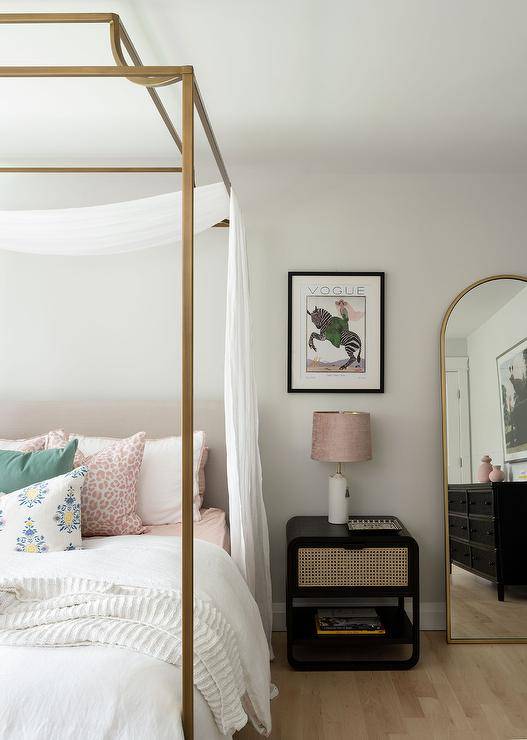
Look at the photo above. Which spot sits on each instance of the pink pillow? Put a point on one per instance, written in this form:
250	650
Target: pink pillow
108	497
34	444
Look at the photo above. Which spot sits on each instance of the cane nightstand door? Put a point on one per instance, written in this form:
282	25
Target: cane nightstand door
330	567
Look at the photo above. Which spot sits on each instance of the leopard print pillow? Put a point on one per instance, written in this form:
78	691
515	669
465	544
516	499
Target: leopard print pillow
108	496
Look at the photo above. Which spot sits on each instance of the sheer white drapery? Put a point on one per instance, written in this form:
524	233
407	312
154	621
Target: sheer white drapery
110	228
249	532
150	222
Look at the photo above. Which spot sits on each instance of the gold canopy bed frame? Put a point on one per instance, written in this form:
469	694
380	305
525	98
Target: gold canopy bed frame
151	77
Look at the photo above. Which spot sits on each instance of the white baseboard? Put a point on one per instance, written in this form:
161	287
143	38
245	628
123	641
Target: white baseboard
432	615
279	617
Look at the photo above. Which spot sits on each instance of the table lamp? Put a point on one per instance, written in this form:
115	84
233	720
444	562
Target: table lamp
339	437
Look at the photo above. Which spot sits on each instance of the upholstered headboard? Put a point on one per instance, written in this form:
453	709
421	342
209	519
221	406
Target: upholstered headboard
121	419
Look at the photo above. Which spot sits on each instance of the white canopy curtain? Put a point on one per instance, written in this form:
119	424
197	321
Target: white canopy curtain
112	228
249	532
152	222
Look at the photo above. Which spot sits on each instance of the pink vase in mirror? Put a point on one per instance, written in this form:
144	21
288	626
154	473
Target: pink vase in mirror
496	475
485	469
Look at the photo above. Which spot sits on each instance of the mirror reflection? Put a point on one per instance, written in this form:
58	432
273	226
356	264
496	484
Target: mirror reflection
485	403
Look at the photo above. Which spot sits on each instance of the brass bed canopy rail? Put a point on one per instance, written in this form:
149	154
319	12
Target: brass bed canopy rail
87	170
149	77
152	77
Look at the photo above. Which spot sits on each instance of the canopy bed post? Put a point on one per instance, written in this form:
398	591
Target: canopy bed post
187	401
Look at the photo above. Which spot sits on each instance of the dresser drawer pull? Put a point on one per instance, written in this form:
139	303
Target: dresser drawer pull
488	532
477	557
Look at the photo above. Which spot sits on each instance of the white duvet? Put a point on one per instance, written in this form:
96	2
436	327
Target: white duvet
109	618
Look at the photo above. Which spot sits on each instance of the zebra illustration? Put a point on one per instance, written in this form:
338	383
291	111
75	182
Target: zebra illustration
335	329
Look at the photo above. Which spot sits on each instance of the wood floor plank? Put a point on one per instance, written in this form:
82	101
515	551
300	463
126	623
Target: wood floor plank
411	686
380	702
456	692
477	613
339	699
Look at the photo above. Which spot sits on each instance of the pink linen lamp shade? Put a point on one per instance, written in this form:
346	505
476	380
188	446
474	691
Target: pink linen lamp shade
341	436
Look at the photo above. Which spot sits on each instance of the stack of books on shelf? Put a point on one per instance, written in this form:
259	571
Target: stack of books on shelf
353	621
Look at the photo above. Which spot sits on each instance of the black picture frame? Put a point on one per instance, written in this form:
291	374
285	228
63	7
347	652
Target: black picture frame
518	456
326	273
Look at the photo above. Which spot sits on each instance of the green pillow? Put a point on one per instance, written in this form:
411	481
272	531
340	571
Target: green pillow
21	469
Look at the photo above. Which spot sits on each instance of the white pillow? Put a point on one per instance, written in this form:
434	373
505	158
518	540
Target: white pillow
34	444
159	482
44	517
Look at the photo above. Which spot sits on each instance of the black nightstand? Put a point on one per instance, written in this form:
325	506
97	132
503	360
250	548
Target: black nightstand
329	567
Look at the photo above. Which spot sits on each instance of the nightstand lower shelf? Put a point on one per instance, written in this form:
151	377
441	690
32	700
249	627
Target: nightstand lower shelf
319	657
396	622
398	649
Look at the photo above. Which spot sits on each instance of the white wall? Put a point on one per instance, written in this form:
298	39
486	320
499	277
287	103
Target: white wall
501	332
105	327
432	235
108	329
455	347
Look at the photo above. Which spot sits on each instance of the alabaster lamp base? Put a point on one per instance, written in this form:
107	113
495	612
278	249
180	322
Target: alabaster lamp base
338	497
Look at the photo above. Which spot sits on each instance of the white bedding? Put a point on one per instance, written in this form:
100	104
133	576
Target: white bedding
97	691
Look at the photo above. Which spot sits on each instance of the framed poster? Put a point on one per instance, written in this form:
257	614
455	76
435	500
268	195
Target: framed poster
516	472
336	332
512	377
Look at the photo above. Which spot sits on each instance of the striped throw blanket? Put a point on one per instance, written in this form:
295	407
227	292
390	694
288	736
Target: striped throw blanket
55	600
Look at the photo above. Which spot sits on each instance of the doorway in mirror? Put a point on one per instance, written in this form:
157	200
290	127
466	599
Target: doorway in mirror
458	420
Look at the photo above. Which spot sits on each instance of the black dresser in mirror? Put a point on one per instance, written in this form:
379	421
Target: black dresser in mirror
487	528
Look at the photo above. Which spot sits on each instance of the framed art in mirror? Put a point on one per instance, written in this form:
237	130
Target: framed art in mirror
335	332
512	377
484	416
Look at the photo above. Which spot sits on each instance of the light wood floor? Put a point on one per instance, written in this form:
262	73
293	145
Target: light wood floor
456	692
476	611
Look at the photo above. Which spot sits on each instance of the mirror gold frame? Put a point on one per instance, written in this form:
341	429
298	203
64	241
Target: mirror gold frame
449	638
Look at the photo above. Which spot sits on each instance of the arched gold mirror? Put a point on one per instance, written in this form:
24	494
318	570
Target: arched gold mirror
484	417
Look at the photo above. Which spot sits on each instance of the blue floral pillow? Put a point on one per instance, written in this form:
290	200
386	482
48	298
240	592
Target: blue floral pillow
43	517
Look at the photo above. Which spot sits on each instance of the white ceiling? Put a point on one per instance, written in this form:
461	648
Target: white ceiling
479	304
348	86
